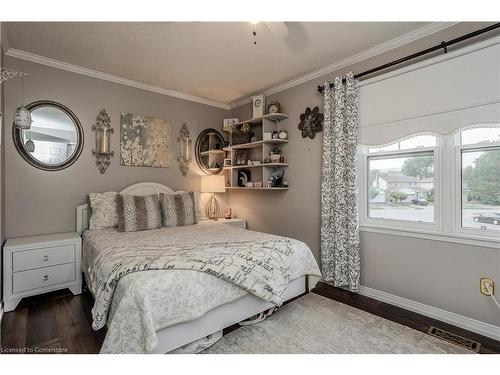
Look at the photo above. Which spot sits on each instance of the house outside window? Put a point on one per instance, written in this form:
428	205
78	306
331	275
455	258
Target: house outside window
401	181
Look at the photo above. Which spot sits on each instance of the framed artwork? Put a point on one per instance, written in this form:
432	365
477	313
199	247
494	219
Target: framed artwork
145	141
241	158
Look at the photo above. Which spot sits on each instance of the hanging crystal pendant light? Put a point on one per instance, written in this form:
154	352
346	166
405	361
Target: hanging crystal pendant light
22	115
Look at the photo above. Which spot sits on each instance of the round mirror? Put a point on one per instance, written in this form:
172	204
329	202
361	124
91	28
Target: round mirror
55	139
209	151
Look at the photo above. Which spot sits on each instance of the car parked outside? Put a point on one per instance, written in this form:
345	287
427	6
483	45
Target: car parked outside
492	218
419	201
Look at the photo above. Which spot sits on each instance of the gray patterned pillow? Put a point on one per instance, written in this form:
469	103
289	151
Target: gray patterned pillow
178	209
104	211
200	212
138	212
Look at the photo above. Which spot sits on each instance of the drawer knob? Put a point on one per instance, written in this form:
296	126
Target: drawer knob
45	277
45	258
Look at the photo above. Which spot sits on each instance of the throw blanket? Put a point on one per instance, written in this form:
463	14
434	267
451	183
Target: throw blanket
259	267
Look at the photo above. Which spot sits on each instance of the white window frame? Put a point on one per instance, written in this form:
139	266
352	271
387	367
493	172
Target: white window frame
447	224
456	148
363	179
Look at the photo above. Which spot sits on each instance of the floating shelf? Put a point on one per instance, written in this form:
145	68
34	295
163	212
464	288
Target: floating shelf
257	166
272	116
258	150
256	188
204	153
258	144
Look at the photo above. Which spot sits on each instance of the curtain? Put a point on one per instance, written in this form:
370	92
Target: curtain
340	260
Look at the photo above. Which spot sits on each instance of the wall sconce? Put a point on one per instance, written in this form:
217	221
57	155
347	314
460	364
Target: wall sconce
103	131
184	143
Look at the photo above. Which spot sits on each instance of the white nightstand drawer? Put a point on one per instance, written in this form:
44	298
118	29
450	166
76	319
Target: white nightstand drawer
42	277
240	223
44	257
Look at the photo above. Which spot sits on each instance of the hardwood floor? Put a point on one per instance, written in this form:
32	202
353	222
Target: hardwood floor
56	322
59	322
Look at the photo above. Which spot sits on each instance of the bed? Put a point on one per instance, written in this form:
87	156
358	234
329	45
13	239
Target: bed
158	310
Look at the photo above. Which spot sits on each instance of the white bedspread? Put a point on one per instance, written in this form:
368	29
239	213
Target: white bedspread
147	301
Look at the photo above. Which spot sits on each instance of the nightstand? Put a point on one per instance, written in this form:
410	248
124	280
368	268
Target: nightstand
240	223
40	264
236	222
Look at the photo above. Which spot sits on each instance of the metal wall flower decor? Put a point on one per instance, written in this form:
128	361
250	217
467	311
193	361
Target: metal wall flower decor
311	122
102	152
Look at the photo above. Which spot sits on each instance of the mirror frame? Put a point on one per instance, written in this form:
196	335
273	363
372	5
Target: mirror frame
197	150
18	139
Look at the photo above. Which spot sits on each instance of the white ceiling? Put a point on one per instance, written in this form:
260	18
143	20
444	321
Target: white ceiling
211	60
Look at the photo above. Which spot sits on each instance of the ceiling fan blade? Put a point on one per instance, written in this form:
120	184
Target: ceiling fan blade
278	29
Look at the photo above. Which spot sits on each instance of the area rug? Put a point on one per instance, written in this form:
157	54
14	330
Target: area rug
316	324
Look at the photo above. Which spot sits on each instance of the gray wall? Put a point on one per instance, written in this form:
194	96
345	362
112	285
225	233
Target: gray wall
40	202
439	274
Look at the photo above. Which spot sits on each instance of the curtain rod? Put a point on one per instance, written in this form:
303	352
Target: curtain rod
443	45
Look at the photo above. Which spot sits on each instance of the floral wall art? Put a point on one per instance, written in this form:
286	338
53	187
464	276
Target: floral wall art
144	141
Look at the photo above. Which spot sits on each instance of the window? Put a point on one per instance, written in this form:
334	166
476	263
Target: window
480	179
401	180
403	187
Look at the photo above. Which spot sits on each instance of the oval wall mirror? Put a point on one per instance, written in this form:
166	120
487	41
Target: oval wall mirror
55	139
209	151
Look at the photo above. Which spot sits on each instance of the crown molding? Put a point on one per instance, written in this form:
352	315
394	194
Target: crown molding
377	50
23	55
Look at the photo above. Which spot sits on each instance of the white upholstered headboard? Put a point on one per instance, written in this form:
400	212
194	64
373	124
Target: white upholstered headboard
142	188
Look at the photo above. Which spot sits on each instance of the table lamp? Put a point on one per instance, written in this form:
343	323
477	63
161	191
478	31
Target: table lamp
213	184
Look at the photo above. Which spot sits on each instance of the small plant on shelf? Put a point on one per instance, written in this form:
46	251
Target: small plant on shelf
246	128
276	155
246	131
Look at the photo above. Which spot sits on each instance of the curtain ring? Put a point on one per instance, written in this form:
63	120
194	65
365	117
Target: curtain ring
445	48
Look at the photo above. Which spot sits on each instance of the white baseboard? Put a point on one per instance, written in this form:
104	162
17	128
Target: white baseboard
464	322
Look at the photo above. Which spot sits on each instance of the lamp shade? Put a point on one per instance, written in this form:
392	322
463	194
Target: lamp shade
213	184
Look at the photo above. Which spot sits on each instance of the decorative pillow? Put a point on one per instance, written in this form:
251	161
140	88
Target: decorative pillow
200	212
138	212
178	209
104	210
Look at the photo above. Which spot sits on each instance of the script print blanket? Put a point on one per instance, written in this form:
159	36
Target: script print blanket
259	267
